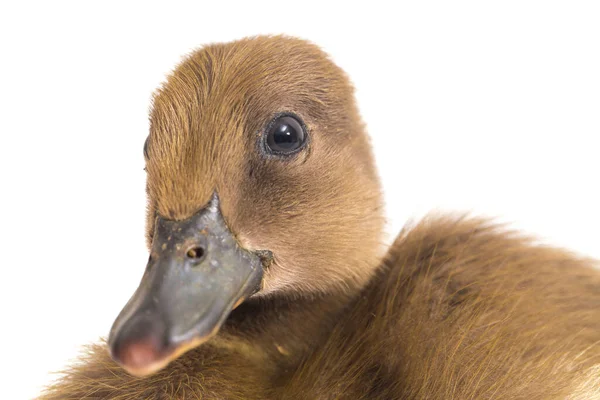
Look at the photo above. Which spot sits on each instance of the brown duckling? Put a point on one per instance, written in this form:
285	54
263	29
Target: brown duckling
265	277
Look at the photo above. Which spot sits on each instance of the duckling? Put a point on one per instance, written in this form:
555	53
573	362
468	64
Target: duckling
267	278
262	194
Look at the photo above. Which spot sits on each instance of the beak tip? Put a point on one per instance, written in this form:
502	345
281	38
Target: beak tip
137	356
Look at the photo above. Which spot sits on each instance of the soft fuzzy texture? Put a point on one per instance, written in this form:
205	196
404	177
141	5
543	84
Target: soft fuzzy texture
458	309
463	309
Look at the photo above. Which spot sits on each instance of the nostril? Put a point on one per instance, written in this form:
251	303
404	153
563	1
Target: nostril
195	253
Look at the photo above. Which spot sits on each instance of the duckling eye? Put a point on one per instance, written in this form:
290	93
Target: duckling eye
285	135
146	148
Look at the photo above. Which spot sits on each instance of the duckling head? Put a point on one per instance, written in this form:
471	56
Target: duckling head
260	183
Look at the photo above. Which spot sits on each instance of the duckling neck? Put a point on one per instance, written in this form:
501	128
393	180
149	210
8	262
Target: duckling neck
284	330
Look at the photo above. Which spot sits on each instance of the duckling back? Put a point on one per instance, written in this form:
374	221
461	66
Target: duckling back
464	309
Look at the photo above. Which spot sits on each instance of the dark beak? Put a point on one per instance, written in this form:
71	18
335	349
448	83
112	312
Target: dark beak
195	276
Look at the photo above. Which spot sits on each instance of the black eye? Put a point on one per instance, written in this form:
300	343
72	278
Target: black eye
146	148
285	135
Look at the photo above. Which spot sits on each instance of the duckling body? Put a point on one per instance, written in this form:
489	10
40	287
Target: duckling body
464	309
458	308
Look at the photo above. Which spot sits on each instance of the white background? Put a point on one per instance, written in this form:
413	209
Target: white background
472	106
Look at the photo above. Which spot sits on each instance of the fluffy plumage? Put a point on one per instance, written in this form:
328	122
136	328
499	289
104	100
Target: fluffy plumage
459	308
464	309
